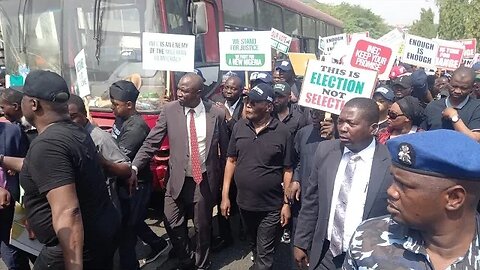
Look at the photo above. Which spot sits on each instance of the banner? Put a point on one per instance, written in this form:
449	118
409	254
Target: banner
82	76
245	51
370	54
280	41
449	55
418	51
168	52
470	47
328	86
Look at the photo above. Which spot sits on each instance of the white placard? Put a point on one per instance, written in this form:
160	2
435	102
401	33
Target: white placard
245	51
419	51
327	44
280	41
395	39
168	52
83	85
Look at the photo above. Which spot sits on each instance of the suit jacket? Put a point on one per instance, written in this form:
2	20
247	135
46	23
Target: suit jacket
237	113
313	219
172	121
12	144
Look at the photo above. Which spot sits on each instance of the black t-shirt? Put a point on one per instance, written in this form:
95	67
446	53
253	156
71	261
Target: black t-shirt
294	120
64	154
469	113
261	160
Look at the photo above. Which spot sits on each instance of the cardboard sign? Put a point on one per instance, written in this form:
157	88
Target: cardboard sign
468	62
370	54
395	39
168	52
245	51
470	47
327	44
300	61
419	51
328	86
350	37
82	76
280	41
449	55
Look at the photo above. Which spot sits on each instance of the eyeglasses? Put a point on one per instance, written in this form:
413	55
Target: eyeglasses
393	115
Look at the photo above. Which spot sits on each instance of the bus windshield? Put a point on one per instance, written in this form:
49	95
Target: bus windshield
49	34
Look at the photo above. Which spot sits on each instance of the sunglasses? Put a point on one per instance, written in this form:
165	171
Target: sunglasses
393	115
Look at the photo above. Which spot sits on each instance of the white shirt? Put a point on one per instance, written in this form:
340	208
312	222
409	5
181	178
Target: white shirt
201	128
232	108
358	194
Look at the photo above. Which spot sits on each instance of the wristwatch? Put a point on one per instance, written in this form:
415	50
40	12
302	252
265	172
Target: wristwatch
455	118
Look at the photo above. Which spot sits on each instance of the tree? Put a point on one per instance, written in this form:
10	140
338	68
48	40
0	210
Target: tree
355	18
425	26
453	15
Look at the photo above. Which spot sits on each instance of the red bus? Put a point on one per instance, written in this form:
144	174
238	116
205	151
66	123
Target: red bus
48	34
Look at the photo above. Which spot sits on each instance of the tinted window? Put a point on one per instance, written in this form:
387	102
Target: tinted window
292	23
239	13
308	27
269	16
176	16
321	28
330	30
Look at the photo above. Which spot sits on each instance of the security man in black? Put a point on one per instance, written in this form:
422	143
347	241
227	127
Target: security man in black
259	159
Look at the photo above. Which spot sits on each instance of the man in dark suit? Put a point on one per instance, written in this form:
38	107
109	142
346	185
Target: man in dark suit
198	142
231	100
347	185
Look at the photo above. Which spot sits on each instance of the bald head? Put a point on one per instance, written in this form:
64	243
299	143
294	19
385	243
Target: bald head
193	80
464	74
189	90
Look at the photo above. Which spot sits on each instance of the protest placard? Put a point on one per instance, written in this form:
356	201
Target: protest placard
350	37
82	75
245	51
449	55
168	52
280	41
470	47
395	39
468	62
419	51
327	44
370	54
328	86
299	62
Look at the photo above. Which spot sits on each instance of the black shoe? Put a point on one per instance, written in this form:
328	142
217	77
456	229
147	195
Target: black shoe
220	243
156	252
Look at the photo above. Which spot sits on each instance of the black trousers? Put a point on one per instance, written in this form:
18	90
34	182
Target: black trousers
196	199
328	261
263	232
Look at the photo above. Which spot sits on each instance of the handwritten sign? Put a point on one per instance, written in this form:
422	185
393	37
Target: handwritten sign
419	51
449	55
470	47
245	51
370	54
168	52
328	86
82	74
280	41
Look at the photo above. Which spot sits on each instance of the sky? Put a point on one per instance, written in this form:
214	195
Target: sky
395	12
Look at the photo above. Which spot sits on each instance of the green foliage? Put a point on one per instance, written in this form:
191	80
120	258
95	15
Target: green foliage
459	19
355	18
425	27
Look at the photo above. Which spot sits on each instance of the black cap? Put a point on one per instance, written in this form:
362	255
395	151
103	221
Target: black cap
419	80
403	81
282	88
283	65
261	92
46	85
124	91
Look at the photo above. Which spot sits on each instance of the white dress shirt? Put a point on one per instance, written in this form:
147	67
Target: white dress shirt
201	128
358	192
232	108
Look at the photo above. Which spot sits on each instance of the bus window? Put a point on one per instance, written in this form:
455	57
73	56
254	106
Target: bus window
239	13
176	16
269	16
292	23
308	27
330	30
321	29
309	45
338	30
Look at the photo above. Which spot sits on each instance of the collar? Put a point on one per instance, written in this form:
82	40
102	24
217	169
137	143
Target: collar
234	104
272	125
365	154
460	106
198	110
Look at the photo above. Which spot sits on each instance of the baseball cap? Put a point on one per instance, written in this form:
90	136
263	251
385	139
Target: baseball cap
284	65
419	81
261	92
264	77
386	93
282	88
397	71
404	81
46	85
124	91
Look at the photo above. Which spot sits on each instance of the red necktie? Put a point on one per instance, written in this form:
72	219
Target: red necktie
194	152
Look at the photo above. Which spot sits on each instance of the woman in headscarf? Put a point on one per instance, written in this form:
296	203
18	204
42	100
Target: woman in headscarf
404	117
